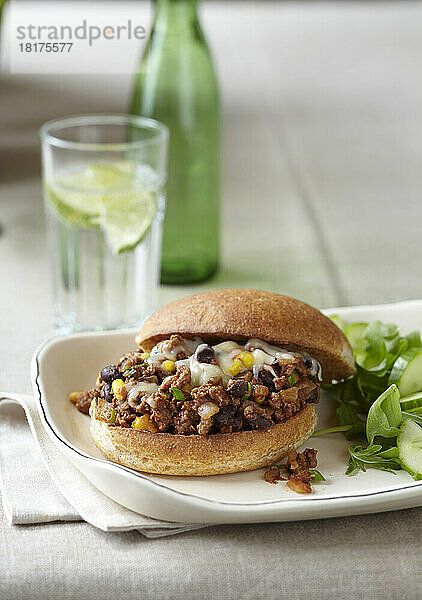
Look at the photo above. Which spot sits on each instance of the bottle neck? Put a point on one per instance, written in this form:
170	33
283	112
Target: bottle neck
175	15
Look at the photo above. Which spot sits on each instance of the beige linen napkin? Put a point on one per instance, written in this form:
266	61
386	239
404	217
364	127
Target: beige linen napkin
40	485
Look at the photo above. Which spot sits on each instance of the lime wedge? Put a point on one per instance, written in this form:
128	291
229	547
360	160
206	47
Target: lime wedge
126	218
105	196
75	208
102	177
78	196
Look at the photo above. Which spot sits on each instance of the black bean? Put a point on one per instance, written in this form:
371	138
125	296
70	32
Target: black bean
313	397
237	422
225	415
266	378
256	417
308	362
238	388
108	394
108	374
204	354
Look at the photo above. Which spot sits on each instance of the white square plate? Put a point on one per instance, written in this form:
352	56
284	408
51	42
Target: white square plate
65	364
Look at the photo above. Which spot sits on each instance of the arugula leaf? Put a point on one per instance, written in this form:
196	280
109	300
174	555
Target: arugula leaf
384	416
392	452
356	431
350	409
382	345
371	385
339	429
372	457
347	413
355	333
373	357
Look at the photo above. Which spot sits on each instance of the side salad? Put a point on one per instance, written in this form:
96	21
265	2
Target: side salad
381	405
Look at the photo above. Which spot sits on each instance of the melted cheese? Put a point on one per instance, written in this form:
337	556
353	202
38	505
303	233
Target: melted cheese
264	355
161	351
261	358
269	349
144	387
224	355
316	368
201	373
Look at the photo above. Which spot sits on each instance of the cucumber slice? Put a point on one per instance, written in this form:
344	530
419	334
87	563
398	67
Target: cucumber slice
407	372
411	401
409	443
354	334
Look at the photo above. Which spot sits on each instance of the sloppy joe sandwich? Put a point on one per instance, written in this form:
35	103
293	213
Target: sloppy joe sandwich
221	381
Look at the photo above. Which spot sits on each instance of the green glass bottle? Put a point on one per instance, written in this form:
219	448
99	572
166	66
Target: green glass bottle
176	84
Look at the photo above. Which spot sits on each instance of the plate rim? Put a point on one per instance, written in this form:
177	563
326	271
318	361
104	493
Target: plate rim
68	447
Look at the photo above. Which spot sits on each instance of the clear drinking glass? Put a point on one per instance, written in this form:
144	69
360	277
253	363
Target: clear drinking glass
104	191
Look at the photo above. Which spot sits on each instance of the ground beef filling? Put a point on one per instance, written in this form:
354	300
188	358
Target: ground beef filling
298	471
247	401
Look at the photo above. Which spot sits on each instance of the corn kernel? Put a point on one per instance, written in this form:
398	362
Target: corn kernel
236	367
145	423
247	358
168	365
119	390
98	379
137	423
145	355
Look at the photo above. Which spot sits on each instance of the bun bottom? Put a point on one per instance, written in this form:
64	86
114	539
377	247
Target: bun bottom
193	455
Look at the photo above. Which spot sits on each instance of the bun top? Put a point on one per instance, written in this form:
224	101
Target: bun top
240	314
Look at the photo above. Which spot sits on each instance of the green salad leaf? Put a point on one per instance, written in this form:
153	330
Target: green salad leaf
372	457
368	408
379	346
384	416
350	409
338	321
414	340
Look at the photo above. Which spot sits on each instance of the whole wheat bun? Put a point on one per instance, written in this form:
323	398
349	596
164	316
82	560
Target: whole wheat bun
235	314
171	454
240	314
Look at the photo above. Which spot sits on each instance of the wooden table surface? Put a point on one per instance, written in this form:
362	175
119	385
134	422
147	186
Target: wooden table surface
321	200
